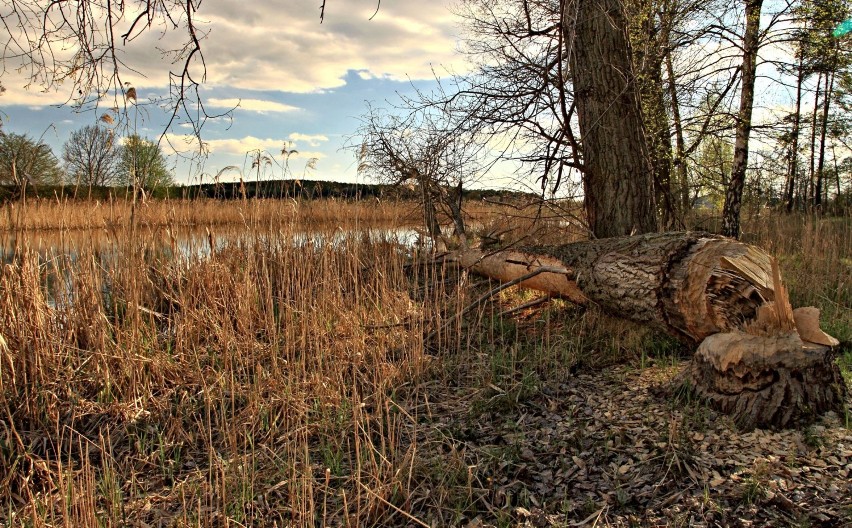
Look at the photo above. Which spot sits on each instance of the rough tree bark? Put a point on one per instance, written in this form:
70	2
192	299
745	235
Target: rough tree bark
752	362
820	181
809	198
649	40
734	192
679	162
618	180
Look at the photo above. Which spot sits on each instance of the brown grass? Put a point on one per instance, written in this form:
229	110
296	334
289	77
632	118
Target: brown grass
815	254
267	382
71	214
511	221
190	392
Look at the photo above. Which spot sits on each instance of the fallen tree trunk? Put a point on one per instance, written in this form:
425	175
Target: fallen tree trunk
704	289
689	284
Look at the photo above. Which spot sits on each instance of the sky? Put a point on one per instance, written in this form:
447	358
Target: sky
294	81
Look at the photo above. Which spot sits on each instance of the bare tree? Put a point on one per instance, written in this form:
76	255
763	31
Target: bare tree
704	71
79	46
428	150
524	90
518	92
734	193
91	158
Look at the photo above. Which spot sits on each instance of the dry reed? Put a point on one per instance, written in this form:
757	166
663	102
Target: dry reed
253	384
71	214
280	378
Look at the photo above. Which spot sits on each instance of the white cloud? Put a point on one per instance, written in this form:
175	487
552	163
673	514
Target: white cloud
313	140
16	96
260	45
251	105
233	146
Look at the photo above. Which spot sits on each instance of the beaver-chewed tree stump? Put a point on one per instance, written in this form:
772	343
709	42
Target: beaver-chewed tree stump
758	360
773	380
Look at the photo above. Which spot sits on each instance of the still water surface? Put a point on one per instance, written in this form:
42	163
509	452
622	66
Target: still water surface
58	252
185	242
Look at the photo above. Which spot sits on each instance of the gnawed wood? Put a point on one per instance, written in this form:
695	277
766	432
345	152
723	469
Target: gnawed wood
766	381
689	284
506	266
807	322
760	360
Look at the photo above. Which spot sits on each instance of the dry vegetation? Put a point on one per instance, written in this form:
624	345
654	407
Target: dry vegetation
68	214
281	380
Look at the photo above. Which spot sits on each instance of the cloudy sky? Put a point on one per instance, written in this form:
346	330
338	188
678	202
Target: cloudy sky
295	81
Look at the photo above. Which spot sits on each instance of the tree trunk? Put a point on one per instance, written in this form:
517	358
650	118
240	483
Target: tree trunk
812	172
794	147
820	175
648	41
688	284
704	288
680	143
836	178
734	192
618	181
430	213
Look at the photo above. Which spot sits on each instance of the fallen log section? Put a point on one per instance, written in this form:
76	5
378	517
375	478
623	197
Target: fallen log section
758	360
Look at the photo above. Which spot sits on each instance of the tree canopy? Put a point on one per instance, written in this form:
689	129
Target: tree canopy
25	161
142	165
91	157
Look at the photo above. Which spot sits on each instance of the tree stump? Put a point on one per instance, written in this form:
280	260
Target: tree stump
766	381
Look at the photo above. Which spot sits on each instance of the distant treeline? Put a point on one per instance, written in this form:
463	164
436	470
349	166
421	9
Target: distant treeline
281	189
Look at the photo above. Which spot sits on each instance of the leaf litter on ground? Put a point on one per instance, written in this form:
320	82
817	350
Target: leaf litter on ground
606	448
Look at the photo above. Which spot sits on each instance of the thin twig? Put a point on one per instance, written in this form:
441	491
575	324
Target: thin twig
478	302
407	323
535	302
403	512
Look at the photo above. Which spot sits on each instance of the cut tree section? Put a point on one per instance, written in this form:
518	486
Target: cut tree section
689	284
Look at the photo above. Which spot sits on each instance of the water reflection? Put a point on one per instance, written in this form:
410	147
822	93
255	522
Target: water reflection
186	243
59	253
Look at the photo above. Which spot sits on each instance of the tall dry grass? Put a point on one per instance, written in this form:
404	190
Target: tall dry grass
73	214
514	220
815	255
254	386
280	379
